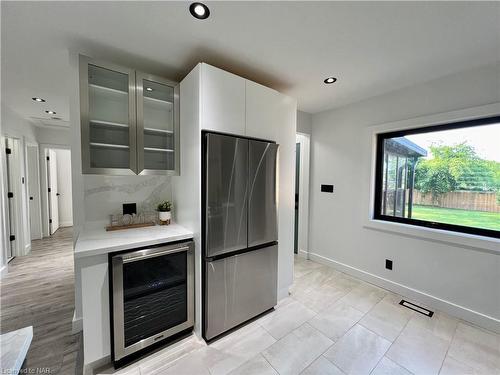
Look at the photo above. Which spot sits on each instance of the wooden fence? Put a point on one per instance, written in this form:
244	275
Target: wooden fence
465	200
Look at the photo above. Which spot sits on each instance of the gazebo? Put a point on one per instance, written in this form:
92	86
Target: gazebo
400	159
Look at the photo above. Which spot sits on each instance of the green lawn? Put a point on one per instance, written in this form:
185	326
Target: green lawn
478	219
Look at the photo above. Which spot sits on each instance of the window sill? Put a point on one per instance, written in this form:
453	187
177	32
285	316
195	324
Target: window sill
464	240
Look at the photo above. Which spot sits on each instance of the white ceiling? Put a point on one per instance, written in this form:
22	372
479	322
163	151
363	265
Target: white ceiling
372	47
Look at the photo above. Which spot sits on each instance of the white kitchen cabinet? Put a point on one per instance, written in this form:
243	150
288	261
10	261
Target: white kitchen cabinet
222	101
262	117
212	99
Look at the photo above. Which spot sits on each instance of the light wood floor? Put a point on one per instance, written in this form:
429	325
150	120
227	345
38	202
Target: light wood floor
39	291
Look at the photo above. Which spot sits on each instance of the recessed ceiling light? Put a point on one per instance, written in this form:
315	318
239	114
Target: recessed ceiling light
149	89
40	100
330	80
199	10
50	112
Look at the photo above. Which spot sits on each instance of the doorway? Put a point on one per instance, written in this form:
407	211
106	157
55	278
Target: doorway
301	247
297	192
58	207
14	195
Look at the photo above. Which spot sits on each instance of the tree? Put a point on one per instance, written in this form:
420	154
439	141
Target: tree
456	167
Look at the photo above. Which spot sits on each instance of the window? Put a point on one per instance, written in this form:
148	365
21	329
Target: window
444	176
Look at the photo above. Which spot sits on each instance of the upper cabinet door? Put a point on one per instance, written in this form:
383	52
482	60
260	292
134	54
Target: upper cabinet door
108	121
157	125
222	101
263	108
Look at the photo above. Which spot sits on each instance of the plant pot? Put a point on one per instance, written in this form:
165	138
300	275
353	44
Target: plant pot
165	217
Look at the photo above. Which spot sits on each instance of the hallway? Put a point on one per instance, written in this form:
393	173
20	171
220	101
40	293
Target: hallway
39	291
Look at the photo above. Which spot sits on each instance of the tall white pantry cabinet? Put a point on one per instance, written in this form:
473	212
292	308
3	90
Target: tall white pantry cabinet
216	100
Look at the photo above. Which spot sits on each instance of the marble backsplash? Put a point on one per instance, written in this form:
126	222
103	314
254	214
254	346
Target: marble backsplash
104	195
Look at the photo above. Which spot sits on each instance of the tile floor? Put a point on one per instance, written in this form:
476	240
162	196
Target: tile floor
335	324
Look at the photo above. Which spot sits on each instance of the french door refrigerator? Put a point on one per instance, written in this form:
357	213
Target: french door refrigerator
240	248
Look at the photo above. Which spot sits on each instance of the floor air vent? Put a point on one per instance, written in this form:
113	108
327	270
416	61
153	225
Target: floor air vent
416	308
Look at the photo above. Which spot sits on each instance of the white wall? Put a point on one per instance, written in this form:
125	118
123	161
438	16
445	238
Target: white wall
53	136
304	122
64	187
456	278
13	125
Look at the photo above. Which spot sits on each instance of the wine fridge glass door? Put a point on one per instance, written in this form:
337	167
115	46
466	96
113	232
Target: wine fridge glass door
152	296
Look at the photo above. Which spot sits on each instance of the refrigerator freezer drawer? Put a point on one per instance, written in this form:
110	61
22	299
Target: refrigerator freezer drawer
239	288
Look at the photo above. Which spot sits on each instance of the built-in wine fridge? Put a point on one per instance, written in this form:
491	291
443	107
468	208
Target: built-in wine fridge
152	297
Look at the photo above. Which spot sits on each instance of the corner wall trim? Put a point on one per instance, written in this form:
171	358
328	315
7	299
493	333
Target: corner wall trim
461	312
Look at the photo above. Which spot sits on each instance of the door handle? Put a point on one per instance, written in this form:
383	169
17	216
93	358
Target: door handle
31	198
57	194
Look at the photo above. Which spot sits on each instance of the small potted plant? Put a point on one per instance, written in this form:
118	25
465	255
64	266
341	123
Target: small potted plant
164	210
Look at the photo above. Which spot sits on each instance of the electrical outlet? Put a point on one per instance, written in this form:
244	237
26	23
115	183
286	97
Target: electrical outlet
388	264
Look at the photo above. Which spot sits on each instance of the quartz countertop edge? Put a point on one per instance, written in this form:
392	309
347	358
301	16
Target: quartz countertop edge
15	346
93	239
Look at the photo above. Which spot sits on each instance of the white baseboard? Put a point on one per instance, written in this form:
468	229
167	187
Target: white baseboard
448	307
89	368
65	224
76	324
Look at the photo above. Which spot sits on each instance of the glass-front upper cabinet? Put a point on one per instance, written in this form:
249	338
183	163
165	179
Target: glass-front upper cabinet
108	118
157	125
129	121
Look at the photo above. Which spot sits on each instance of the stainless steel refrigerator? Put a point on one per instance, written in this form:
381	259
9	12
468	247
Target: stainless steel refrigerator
240	248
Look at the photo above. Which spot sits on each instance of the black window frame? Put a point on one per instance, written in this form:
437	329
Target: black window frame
379	167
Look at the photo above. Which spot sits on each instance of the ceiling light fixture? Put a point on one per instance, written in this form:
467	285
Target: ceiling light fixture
40	100
330	80
199	10
149	89
50	112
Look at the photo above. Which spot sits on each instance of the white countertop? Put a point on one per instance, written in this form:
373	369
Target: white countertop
94	240
14	347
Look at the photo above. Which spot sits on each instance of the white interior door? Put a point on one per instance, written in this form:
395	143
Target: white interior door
64	188
34	192
53	197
